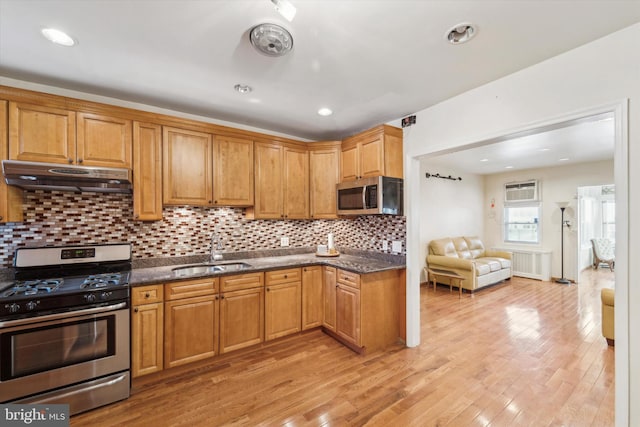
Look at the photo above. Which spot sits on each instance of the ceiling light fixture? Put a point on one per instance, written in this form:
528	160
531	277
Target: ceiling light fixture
484	160
285	8
271	39
564	159
508	167
58	37
460	33
324	111
242	88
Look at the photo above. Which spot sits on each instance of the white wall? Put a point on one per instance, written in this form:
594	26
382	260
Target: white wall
557	184
598	76
449	208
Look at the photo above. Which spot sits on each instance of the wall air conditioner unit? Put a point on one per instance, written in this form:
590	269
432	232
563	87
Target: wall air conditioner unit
526	191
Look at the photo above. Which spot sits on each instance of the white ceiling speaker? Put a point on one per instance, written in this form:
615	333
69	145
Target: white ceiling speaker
271	39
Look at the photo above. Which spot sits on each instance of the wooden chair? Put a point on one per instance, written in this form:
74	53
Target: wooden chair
603	252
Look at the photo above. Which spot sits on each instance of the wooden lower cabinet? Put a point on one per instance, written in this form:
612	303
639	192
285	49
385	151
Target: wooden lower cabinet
282	303
348	314
191	330
147	327
241	311
367	308
312	300
329	312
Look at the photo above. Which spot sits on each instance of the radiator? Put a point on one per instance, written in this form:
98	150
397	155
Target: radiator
531	264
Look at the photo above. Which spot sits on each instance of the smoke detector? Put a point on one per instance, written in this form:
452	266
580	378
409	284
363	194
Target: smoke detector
271	39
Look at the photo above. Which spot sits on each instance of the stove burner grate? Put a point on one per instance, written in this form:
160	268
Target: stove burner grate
33	287
101	280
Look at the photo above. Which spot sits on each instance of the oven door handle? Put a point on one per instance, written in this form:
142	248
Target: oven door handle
65	315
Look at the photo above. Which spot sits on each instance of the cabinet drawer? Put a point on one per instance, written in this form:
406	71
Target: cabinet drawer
348	278
283	276
241	281
146	294
190	288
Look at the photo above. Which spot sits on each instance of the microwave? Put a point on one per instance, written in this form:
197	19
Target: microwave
380	195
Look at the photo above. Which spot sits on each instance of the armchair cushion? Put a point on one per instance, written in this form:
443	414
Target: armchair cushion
607	297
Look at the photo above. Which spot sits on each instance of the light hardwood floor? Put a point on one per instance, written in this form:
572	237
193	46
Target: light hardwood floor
523	353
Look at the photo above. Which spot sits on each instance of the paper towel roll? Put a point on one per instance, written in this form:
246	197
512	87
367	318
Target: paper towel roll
330	241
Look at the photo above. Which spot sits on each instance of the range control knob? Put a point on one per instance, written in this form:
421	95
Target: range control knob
90	298
13	308
105	295
31	305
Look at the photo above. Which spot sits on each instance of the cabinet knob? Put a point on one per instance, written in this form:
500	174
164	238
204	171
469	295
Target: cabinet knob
215	201
79	160
135	309
70	160
267	289
209	201
286	276
0	217
147	295
221	296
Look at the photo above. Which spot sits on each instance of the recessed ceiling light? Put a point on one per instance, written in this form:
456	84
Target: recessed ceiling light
324	111
57	37
271	39
484	160
508	167
242	88
564	159
460	33
544	149
285	8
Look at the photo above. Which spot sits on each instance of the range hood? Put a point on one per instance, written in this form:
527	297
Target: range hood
53	176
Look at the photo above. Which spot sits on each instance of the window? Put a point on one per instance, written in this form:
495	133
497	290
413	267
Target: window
522	223
609	219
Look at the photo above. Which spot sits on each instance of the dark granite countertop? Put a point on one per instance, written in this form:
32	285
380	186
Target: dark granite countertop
360	262
159	270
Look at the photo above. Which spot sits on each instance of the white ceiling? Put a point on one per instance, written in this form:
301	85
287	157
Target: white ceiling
585	140
370	61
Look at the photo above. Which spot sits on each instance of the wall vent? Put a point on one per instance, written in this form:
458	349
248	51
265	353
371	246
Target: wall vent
526	191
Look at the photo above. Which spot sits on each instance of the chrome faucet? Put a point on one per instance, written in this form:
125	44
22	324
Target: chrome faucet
216	247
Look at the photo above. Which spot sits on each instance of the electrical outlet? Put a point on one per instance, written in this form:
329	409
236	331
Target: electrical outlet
284	241
385	245
396	246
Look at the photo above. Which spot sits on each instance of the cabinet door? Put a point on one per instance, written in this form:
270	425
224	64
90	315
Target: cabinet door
147	172
282	307
147	323
103	141
349	164
372	156
312	292
348	313
296	183
10	196
269	176
324	174
191	330
241	319
329	315
41	134
186	167
232	171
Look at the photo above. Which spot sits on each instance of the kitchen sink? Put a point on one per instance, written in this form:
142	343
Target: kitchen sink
191	270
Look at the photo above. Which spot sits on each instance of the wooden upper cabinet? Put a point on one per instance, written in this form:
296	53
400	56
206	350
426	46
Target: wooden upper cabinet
10	196
232	171
147	171
269	194
324	174
295	183
375	152
186	167
55	135
103	141
41	134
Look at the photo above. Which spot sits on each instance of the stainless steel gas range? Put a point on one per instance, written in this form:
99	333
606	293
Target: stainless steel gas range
64	327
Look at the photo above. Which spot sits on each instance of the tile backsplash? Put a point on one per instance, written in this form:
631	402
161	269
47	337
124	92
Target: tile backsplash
62	218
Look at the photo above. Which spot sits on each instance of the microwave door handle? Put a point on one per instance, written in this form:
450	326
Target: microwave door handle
364	197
